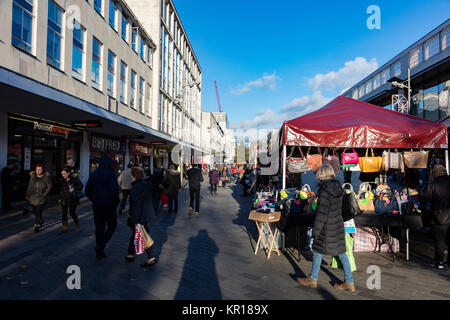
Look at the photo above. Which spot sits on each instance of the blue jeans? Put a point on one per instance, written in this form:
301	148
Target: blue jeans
317	261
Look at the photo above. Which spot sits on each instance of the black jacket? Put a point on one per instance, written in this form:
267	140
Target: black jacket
140	202
65	196
102	187
175	183
328	230
195	178
157	178
438	194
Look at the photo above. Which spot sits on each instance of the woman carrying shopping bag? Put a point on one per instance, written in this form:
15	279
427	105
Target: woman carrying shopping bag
140	212
328	229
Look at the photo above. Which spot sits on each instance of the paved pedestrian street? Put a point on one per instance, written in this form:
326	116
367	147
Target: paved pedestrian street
206	257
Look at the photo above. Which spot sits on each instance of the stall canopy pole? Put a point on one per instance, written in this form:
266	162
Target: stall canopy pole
446	160
284	167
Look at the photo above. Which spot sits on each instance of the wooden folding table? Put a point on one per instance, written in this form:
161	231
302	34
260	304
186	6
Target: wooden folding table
264	220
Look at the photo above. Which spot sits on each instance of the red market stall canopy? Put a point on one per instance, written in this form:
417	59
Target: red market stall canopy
349	123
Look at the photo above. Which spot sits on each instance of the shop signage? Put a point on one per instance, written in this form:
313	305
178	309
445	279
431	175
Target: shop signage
106	144
162	153
87	124
158	143
51	129
140	149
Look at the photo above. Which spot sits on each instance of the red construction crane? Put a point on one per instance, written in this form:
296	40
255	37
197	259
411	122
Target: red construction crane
217	93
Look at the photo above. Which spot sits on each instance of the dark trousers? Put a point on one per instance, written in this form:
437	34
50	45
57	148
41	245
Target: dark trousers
72	209
195	193
156	197
441	236
213	188
125	195
132	250
37	210
6	199
105	219
173	203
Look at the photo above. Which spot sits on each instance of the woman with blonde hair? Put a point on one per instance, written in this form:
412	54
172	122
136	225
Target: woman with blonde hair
328	229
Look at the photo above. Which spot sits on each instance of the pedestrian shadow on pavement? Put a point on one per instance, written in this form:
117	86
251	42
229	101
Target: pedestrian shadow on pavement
199	279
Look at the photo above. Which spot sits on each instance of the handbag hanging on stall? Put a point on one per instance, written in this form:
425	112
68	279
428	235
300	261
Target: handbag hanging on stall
415	159
393	160
387	204
370	164
365	197
314	161
296	165
349	159
333	160
350	208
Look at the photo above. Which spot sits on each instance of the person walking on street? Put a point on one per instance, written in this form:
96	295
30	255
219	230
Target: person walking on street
140	212
235	172
328	229
74	171
158	184
195	178
174	188
103	190
124	182
38	189
213	180
71	189
438	194
7	179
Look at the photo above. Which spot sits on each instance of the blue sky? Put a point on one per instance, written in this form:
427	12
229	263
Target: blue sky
275	60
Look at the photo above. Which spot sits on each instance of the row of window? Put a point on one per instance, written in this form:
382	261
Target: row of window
376	81
21	37
23	21
431	47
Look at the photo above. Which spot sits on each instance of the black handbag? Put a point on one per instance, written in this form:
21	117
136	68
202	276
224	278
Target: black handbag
350	208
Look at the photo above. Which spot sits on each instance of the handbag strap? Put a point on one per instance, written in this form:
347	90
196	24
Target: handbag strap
307	153
348	184
301	152
290	154
365	184
325	153
367	152
319	151
371	149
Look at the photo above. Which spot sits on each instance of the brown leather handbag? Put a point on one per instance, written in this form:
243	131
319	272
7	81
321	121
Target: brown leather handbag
314	161
416	159
333	160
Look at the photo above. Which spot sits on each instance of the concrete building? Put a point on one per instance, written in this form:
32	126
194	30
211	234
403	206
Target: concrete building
95	63
212	139
176	71
428	60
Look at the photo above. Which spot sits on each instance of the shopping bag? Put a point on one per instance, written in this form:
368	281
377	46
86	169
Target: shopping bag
164	199
332	160
416	159
138	240
220	183
336	262
314	161
349	158
297	165
148	241
370	164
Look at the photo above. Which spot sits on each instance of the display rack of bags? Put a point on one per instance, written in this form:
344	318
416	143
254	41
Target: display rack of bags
416	159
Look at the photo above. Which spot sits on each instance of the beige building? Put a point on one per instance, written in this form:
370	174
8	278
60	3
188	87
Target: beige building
81	79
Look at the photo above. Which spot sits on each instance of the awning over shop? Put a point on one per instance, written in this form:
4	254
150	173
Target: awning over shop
346	122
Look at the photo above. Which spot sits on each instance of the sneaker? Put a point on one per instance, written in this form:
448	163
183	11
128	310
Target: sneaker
197	214
190	211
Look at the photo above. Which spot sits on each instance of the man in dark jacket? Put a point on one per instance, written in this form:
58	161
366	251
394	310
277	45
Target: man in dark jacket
328	229
195	178
159	182
438	194
103	190
174	188
7	179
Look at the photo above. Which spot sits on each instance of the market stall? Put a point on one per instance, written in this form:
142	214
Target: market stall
344	125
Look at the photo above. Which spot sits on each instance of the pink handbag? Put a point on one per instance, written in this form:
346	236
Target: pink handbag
349	158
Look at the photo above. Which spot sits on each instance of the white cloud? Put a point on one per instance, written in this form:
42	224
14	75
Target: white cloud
352	72
305	104
266	81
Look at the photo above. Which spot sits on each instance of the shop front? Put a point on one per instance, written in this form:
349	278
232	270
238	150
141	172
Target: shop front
113	147
140	153
34	141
